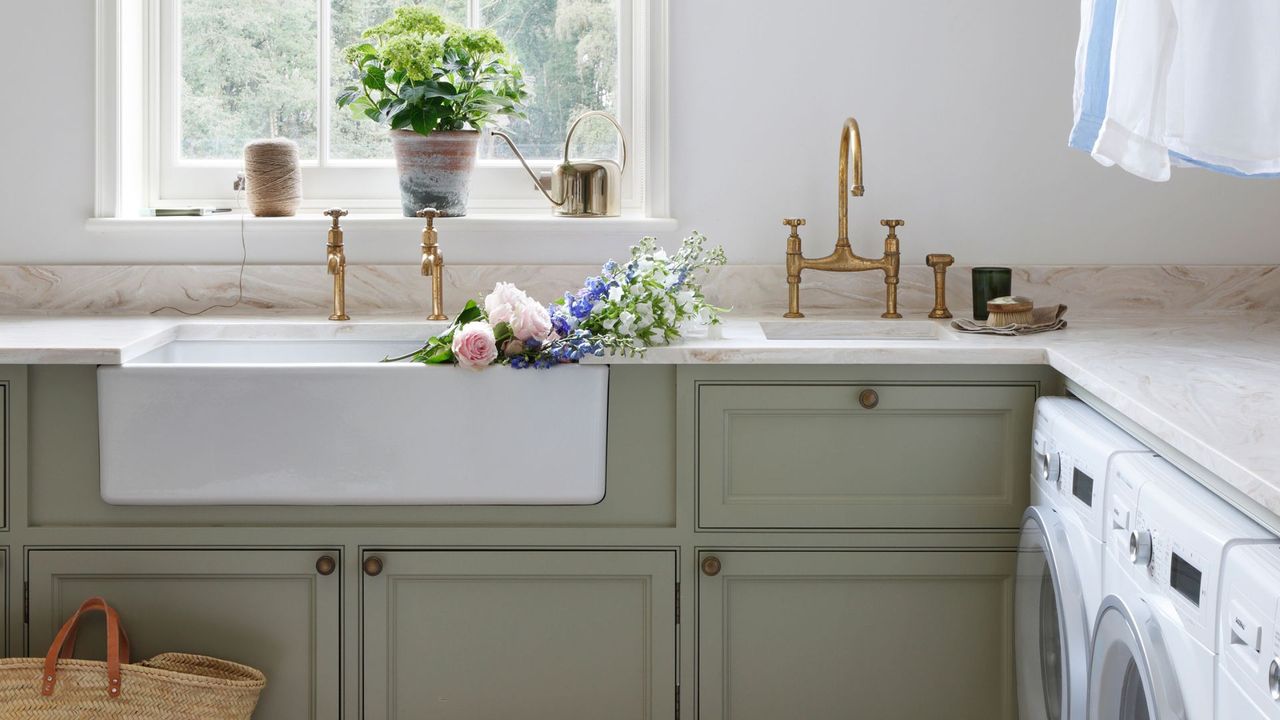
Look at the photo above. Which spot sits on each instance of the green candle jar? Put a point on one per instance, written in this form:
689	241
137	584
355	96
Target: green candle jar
989	283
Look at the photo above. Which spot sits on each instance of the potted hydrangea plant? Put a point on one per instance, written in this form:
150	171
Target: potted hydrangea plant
437	85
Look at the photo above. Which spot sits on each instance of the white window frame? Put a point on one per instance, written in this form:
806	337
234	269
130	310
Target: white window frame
138	163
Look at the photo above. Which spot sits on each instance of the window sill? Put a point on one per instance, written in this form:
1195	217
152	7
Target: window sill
378	238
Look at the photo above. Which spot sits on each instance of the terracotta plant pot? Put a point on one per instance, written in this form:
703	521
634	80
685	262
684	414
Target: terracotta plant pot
435	170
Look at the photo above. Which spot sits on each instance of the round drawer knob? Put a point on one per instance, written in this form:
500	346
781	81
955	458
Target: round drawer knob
869	399
373	566
711	566
326	565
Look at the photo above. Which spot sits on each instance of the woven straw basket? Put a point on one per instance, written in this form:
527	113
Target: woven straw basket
172	686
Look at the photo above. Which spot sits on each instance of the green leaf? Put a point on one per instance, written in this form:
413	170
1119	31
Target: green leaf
469	313
502	332
420	122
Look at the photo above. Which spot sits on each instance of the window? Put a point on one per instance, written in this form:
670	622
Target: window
197	79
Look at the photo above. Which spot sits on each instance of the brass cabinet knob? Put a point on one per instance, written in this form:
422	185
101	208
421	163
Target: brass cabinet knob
711	566
326	565
869	399
373	566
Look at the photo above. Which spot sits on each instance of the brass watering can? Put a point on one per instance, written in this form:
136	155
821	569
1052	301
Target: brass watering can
580	188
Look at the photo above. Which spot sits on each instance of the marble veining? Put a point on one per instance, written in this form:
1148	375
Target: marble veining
381	289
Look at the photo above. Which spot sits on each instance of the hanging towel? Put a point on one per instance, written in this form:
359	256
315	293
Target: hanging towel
1133	131
1225	84
1135	97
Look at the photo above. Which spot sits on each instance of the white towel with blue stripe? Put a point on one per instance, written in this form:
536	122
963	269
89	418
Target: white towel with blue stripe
1164	83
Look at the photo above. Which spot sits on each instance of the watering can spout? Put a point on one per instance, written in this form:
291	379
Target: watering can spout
580	188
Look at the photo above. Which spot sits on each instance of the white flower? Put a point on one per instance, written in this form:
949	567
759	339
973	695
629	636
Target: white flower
704	315
684	299
615	293
660	255
625	321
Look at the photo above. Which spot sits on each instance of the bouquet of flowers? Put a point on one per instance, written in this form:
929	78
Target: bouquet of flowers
625	309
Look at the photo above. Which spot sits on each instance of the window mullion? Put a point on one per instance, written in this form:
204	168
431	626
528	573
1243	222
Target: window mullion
474	18
323	99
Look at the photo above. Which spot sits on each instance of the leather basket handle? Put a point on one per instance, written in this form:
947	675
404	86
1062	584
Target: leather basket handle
69	646
64	645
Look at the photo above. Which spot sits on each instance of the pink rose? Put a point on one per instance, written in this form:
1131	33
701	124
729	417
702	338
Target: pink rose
531	321
474	346
511	305
500	305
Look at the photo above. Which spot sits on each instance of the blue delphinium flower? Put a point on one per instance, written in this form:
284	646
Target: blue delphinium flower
519	362
596	288
559	323
610	267
581	306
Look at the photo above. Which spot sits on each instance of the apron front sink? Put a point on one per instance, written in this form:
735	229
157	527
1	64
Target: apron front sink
323	422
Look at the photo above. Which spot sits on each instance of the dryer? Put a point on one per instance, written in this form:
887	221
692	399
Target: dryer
1154	639
1059	556
1249	635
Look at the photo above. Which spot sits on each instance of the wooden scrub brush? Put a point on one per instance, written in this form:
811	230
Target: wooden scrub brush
1010	310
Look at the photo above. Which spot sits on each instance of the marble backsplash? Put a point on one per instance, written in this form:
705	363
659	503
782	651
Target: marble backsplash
374	289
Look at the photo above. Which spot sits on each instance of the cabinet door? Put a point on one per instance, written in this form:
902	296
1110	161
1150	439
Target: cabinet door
269	609
848	634
541	635
863	456
4	460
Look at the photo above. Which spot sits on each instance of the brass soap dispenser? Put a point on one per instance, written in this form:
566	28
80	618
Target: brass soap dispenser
581	188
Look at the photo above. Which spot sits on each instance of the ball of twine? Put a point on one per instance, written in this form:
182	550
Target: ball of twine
273	181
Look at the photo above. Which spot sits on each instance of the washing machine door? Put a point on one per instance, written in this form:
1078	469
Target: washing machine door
1131	678
1051	632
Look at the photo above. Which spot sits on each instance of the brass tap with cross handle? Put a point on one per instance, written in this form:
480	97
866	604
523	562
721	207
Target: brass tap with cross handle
336	265
843	259
433	262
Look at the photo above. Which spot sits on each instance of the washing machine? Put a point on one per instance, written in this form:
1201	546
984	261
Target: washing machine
1154	640
1059	556
1249	635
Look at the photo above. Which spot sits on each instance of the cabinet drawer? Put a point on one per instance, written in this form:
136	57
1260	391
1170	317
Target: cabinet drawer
270	609
848	634
813	456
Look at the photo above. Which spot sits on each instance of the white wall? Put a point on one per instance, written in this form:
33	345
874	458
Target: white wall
964	108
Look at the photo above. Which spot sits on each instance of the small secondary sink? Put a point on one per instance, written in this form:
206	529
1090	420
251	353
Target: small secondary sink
852	330
322	422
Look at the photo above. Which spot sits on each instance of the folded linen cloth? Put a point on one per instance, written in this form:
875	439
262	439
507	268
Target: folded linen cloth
1043	319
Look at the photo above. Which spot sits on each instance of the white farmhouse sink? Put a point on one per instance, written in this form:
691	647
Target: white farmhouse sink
322	422
852	330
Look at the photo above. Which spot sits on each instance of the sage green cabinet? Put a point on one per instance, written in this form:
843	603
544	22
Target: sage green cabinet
4	458
270	609
535	635
866	634
862	456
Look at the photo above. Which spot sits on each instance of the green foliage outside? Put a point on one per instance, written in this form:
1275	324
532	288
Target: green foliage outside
249	71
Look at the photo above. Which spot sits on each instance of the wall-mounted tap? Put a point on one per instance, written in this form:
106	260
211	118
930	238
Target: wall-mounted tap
336	265
843	259
433	263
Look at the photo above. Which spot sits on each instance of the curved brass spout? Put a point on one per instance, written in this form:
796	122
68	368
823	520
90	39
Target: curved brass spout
849	135
843	258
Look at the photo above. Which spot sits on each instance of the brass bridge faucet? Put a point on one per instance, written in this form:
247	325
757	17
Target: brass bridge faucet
433	263
337	266
843	259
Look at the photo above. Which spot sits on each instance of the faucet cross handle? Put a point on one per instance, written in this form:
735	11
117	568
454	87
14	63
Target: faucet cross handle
430	214
893	226
335	213
793	223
